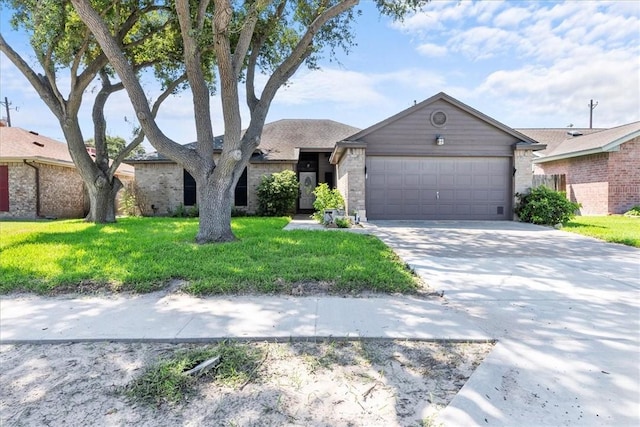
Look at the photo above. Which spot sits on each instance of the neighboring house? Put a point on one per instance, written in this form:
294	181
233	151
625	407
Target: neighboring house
303	146
38	177
438	160
600	168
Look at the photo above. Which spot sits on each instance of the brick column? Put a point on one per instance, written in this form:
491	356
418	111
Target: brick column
523	177
351	180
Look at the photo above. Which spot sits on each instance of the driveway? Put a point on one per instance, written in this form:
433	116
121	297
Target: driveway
564	308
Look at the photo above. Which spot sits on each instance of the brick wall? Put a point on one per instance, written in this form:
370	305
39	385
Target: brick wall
22	191
587	181
61	192
161	186
351	180
624	177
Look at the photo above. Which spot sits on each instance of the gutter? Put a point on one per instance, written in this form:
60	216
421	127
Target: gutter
37	186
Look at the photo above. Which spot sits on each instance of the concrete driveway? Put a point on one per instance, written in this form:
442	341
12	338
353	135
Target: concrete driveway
565	310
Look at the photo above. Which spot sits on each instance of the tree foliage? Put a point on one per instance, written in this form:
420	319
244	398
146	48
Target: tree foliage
115	145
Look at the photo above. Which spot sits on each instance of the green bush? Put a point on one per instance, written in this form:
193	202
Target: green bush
343	222
545	206
277	194
326	198
634	211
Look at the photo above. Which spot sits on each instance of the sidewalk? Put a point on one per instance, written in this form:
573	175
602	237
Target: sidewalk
181	318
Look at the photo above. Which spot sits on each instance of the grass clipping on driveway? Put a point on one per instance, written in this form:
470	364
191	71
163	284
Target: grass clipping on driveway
363	382
146	254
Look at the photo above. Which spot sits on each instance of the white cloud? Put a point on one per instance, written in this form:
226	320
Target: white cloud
432	50
544	60
511	17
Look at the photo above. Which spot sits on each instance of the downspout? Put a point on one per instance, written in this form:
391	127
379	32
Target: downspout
37	187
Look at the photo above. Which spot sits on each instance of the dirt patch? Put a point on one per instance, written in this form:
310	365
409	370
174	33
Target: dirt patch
336	383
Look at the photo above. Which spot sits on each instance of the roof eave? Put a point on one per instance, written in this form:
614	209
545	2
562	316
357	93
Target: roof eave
570	155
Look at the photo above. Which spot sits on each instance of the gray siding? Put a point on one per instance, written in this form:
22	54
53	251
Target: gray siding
414	135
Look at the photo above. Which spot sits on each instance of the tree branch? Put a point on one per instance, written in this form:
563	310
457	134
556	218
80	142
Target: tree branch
140	136
246	33
39	83
180	154
289	66
197	83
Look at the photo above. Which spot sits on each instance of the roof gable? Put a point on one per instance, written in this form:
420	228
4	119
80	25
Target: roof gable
446	98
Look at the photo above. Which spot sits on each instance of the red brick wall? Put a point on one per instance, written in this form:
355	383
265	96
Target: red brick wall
606	183
624	177
587	181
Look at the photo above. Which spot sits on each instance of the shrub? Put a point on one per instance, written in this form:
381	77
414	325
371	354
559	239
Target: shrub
545	206
343	222
132	202
634	211
326	198
277	194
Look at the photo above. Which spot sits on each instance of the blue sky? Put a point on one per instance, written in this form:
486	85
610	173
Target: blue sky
526	64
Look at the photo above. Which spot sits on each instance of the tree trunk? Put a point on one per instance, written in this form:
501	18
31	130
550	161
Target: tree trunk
102	198
215	200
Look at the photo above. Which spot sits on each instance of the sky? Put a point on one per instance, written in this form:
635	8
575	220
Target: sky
527	64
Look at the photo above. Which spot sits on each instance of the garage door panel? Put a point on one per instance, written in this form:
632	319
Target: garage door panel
438	188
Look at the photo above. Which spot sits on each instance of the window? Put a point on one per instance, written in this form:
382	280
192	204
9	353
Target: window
240	195
4	188
189	193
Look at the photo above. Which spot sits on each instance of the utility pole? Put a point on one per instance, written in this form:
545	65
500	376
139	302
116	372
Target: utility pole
592	107
7	106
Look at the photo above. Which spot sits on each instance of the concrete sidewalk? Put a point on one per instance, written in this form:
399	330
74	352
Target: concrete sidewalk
181	318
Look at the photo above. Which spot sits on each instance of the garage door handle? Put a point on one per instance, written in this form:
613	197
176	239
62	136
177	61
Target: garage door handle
437	195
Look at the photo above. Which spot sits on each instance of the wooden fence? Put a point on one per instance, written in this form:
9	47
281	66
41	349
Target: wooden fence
554	182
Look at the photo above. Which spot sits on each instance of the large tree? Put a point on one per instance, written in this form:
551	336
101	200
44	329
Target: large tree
249	37
146	33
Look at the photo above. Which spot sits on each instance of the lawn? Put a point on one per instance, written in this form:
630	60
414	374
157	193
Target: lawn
145	254
614	228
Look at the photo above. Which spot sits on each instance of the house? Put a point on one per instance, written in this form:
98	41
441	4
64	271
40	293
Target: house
303	146
600	168
38	177
437	160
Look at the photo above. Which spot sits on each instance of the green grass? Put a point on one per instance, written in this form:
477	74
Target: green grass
166	381
614	228
144	254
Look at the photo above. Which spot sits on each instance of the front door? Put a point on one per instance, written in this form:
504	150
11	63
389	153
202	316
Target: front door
307	185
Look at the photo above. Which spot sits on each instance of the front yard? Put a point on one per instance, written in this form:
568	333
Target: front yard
614	228
146	254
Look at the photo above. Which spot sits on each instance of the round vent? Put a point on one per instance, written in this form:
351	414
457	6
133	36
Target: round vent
438	118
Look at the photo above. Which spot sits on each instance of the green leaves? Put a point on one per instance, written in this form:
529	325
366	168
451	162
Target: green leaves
545	206
277	194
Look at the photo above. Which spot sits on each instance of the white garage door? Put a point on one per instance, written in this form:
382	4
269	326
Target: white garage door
439	188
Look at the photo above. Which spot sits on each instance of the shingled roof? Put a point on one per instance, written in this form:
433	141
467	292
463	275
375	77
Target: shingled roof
580	142
17	144
281	140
